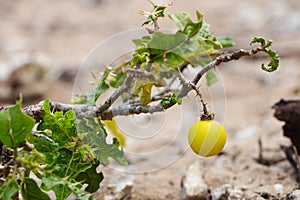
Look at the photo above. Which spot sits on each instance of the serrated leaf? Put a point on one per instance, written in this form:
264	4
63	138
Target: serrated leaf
211	78
61	124
93	135
63	187
15	125
9	188
70	163
91	177
31	191
115	130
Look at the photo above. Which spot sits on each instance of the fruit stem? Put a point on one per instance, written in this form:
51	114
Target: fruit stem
206	115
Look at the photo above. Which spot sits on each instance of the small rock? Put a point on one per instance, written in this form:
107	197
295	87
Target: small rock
294	195
120	187
278	187
227	192
193	184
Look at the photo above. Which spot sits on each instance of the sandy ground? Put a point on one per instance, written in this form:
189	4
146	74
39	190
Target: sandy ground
60	34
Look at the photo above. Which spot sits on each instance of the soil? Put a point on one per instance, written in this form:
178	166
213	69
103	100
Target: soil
63	33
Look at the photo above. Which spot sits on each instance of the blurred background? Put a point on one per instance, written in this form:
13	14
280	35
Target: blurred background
60	34
44	42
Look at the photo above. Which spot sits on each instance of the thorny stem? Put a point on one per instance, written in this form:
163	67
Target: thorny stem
115	95
226	58
206	115
106	112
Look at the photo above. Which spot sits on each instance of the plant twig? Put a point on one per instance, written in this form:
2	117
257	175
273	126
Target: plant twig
106	112
220	59
118	92
42	136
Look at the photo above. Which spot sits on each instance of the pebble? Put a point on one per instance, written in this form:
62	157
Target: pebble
295	195
193	184
229	192
278	187
120	187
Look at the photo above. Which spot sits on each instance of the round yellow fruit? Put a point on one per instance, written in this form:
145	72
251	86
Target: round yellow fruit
207	137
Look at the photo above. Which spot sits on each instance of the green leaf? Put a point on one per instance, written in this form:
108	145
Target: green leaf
61	124
15	125
31	191
226	41
117	80
180	19
161	42
91	177
185	24
260	40
57	184
66	158
211	78
9	188
70	163
142	42
166	101
63	187
93	135
274	58
99	88
274	61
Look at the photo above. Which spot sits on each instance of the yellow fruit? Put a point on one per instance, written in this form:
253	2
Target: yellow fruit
207	137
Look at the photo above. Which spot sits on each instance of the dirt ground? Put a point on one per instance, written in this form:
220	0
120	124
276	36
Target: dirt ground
61	34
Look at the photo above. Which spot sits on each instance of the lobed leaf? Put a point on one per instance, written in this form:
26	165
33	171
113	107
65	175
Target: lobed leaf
15	126
61	124
63	187
91	177
93	135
